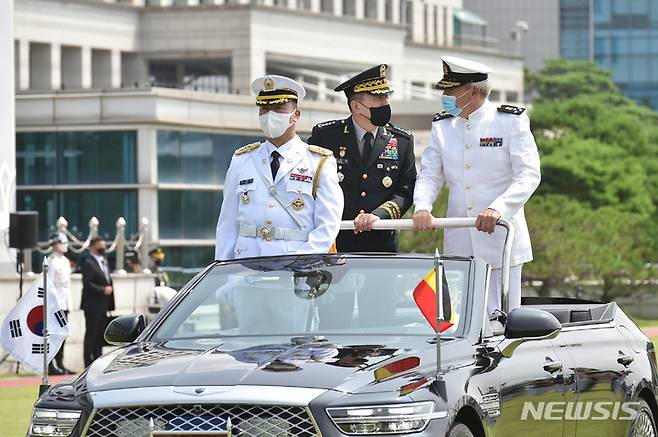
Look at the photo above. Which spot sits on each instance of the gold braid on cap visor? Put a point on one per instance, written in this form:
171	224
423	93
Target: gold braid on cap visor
275	99
372	85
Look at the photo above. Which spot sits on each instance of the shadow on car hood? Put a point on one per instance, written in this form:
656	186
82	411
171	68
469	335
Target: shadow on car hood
380	363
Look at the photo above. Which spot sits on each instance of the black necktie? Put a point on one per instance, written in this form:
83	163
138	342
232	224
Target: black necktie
275	164
367	145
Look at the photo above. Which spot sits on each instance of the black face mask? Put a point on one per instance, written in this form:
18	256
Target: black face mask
379	115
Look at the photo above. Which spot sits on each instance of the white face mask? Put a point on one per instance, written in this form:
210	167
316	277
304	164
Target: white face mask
274	124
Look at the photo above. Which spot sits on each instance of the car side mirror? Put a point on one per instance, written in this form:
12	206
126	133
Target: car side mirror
528	324
124	329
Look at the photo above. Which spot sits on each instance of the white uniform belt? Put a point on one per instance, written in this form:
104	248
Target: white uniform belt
273	233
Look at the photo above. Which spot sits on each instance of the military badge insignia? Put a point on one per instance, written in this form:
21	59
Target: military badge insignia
491	142
246	181
301	177
390	150
245	197
342	151
268	84
380	166
387	181
302	170
340	177
298	204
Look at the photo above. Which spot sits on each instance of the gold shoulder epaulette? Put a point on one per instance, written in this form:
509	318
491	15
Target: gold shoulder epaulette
320	150
442	116
248	148
509	109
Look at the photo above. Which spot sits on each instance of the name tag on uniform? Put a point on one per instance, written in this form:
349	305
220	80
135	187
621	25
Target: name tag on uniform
491	142
246	181
301	177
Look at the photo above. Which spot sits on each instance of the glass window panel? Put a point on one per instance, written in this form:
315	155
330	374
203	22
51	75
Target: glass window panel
36	158
188	214
169	156
197	157
97	157
107	206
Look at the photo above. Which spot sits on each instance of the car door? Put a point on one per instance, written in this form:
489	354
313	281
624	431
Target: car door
602	361
531	383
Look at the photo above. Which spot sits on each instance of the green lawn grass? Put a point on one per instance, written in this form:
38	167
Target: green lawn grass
15	409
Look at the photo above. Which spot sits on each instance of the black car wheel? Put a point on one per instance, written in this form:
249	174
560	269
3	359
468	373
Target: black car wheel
460	430
643	425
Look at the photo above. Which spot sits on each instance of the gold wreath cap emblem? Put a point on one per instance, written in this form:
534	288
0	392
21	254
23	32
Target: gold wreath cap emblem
268	84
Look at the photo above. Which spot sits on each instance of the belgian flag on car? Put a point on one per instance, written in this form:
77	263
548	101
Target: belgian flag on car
425	297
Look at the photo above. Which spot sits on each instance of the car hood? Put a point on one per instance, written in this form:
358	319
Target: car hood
380	363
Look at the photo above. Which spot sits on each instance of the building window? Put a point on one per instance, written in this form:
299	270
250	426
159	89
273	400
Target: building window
196	157
494	95
80	157
77	158
93	157
78	206
188	214
36	158
389	10
512	96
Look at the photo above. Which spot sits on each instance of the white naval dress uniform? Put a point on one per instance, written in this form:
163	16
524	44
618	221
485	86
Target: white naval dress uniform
59	269
489	160
248	206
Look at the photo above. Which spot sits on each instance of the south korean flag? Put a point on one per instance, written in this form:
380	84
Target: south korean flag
21	333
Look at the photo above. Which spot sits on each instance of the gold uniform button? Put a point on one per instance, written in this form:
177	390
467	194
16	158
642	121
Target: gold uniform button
271	205
365	176
363	194
470	206
467	166
468	125
269	222
468	146
469	186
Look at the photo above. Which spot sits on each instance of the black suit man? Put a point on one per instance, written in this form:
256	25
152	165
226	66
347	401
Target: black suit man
376	162
97	299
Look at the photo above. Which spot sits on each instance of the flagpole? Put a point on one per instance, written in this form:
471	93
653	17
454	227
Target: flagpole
438	277
44	380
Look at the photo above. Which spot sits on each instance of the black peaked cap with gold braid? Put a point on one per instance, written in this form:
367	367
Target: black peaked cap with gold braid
372	81
275	90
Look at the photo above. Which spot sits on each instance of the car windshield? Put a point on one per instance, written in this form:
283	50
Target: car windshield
319	295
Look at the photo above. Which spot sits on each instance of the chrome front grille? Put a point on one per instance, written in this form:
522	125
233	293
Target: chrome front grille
244	420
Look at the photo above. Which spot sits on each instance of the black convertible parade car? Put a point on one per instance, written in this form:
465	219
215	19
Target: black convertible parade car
335	345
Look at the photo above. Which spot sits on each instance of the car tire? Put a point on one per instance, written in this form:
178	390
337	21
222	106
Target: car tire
460	430
644	424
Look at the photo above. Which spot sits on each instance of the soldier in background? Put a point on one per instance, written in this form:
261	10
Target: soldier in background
157	257
60	274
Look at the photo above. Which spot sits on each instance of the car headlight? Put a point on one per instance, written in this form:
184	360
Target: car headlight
384	419
53	423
